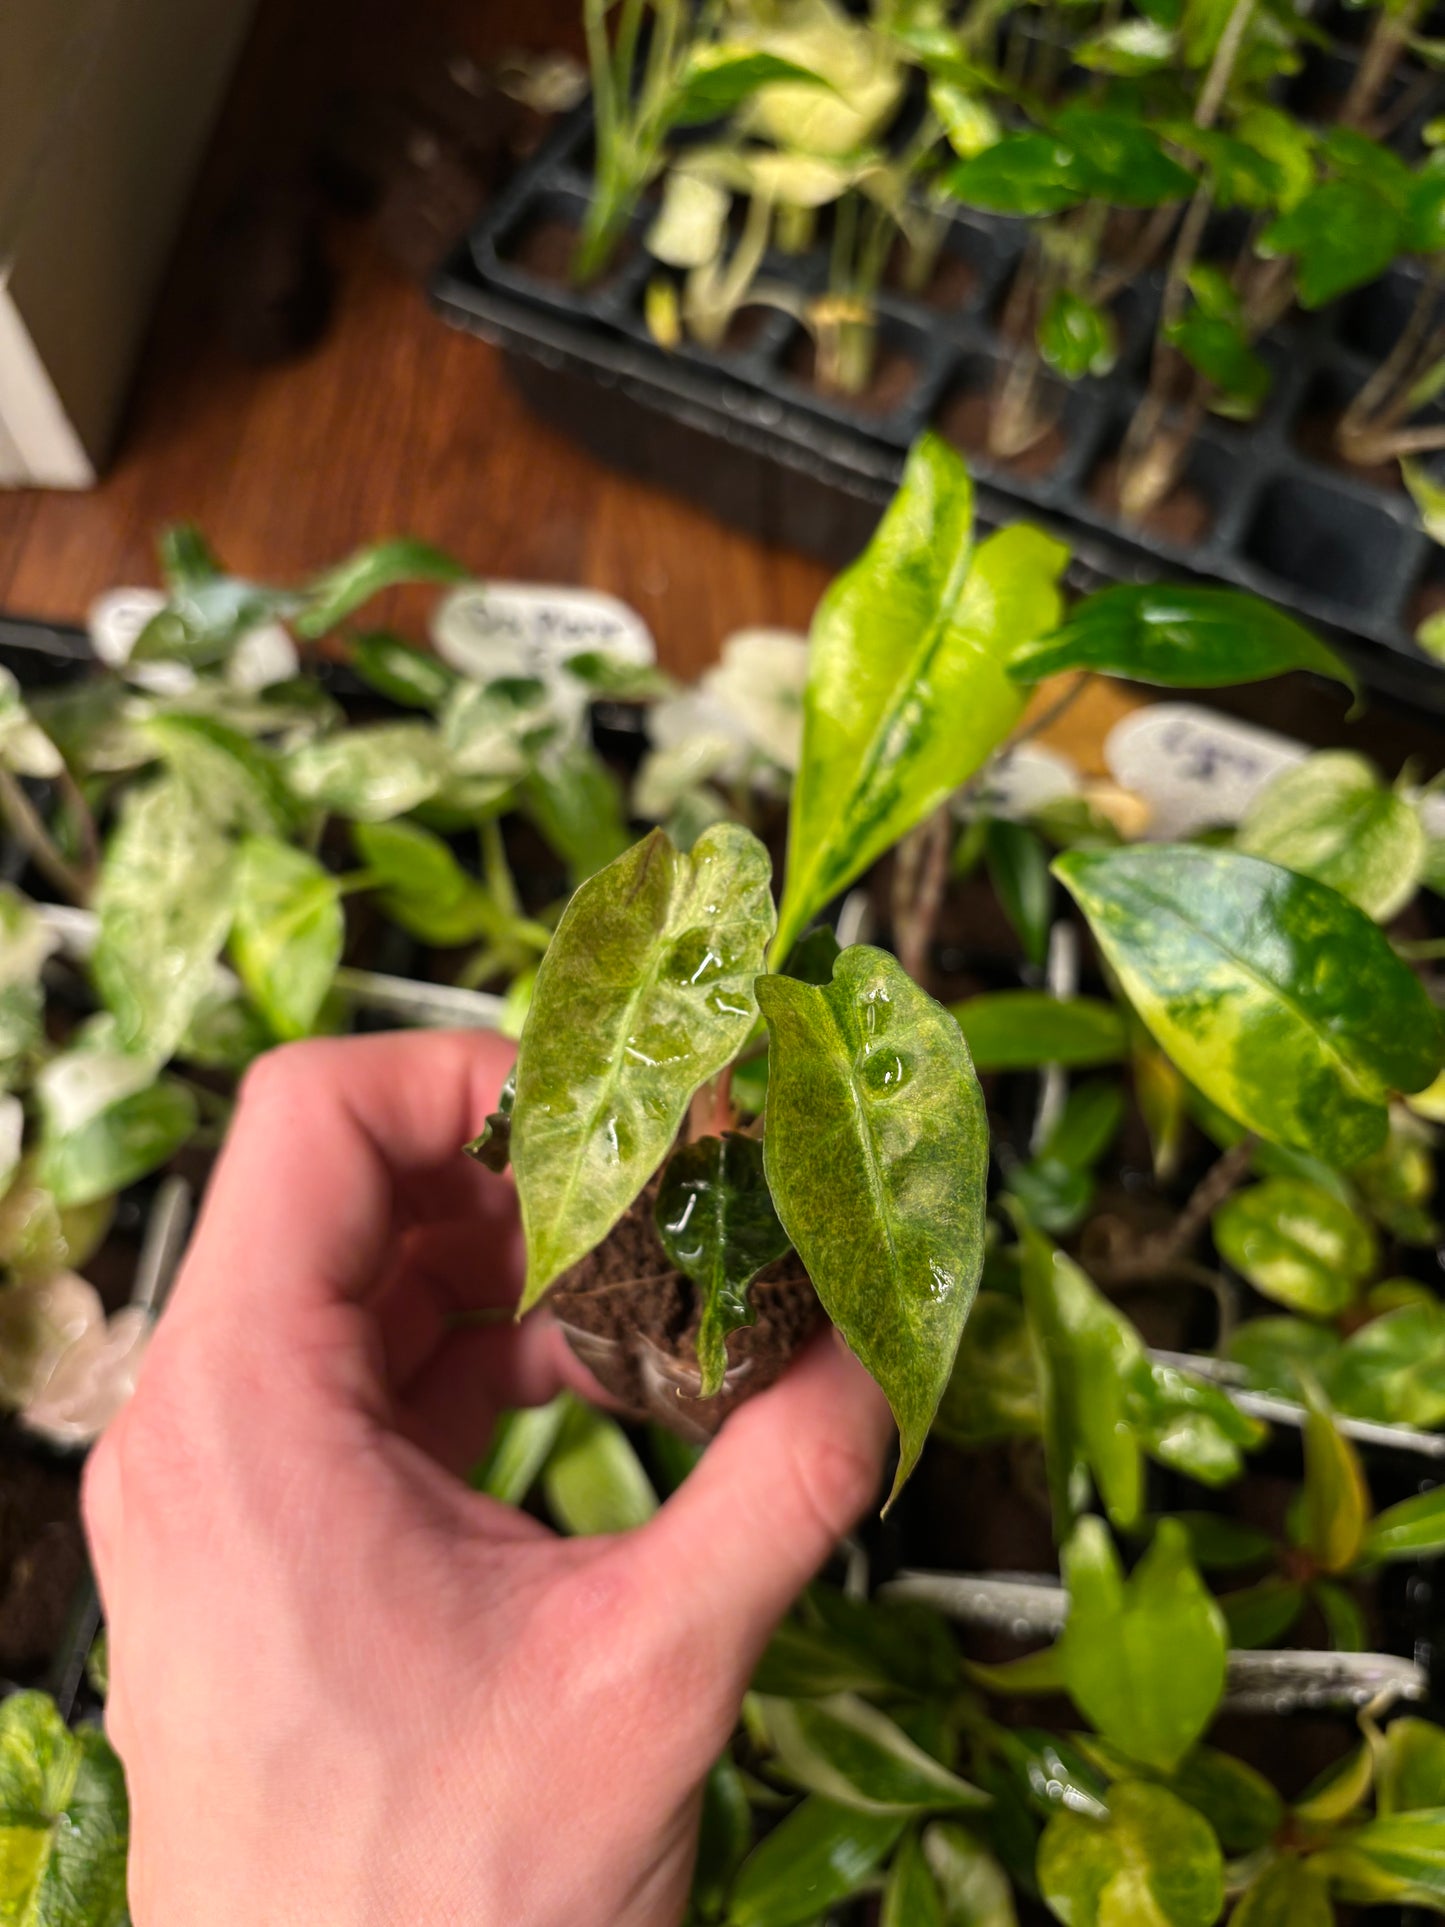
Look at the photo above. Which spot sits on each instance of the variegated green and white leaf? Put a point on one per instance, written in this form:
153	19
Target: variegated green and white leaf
877	1151
645	992
908	689
852	1753
1278	998
1331	818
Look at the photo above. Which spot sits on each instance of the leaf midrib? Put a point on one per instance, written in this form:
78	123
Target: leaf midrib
875	1175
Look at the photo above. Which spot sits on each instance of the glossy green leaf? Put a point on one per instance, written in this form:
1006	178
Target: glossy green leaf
164	903
1282	1002
1298	1244
521	1445
1335	1500
64	1821
876	1154
994	1391
716	1220
1219	1543
1187	1423
1179	636
911	1897
204	619
1259	1616
1219	350
968	119
1393	1369
1286	1894
233	781
1412	1529
1152	1863
853	1754
1120	158
1020	174
1235	1798
645	993
1018	868
907	691
576	802
288	933
593	1481
413	678
423	887
124	1142
1342	234
718	77
724	1836
1040	1673
973	1887
1010	1030
1397	1858
185	556
1076	337
1082	1350
1276	1353
344	587
1331	818
1411	1766
820	1855
1143	1657
1346	1629
372	773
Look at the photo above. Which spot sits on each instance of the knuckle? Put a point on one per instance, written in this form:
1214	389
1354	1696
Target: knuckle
278	1074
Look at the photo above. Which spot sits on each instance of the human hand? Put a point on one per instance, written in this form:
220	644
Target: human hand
348	1690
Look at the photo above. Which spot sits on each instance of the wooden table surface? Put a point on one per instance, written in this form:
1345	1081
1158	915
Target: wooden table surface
393	423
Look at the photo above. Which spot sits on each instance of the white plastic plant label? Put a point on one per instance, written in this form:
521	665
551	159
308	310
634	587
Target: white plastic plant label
1021	782
492	629
1194	767
115	621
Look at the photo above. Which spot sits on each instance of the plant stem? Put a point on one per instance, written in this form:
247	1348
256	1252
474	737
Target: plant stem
1399	361
1165	1251
30	831
919	881
1387	42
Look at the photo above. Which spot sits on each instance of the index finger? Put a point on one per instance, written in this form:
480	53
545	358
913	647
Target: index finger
338	1145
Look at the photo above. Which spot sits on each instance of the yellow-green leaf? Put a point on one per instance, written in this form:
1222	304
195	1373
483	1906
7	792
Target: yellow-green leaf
1331	818
1336	1501
288	933
851	1753
876	1152
1278	998
1153	1862
1298	1244
907	685
645	993
1143	1657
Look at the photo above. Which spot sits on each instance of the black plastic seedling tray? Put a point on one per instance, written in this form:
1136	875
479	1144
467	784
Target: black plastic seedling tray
743	432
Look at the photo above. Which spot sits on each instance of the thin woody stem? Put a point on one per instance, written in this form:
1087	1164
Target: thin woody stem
25	820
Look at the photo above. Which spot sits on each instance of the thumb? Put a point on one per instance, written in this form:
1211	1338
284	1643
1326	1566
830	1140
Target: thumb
784	1481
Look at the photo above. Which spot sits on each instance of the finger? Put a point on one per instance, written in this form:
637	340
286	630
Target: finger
452	1405
439	1278
785	1480
337	1144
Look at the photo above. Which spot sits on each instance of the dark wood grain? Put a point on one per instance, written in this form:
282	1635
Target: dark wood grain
394	422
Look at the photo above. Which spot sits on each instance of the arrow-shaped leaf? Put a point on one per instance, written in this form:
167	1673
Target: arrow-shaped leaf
645	992
907	686
876	1151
